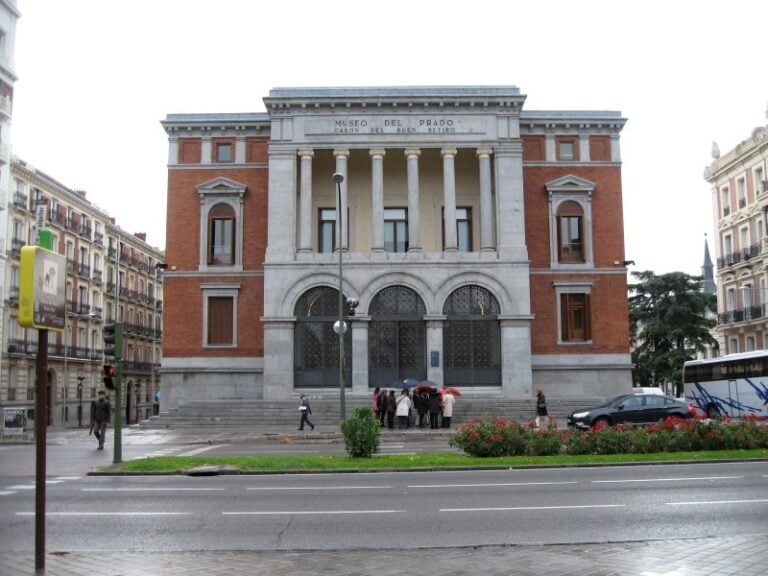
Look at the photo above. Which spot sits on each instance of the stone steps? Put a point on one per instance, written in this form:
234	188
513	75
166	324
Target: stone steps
242	413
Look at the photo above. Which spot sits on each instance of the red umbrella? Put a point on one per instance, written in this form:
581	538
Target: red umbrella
451	389
424	389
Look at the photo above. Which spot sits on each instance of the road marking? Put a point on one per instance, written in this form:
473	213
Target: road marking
21	487
6	492
762	500
68	477
532	508
321	488
197	451
106	513
151	489
667	479
491	485
395	454
256	452
310	513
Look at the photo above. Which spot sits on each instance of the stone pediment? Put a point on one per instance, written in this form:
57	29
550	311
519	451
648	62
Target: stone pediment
221	186
570	183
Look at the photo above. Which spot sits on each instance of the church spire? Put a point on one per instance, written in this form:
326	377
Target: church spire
707	270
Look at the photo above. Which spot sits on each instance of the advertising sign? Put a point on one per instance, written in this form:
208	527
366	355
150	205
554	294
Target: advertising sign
42	289
14	421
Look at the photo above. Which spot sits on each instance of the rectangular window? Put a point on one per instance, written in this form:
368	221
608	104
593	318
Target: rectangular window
224	152
565	150
220	321
464	229
741	188
575	317
222	241
571	243
327	231
725	198
760	184
395	229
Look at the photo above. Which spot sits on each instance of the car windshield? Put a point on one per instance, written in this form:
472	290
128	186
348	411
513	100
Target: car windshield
616	400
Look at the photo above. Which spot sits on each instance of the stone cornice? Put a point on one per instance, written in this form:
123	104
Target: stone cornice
753	145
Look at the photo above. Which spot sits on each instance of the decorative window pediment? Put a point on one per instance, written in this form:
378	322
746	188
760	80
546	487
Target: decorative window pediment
570	219
221	225
570	183
221	186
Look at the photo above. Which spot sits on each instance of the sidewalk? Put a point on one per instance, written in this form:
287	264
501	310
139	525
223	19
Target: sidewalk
742	556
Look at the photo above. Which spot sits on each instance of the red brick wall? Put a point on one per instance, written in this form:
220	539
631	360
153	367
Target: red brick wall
190	151
534	148
600	148
183	299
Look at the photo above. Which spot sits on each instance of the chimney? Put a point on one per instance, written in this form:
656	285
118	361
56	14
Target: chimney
141	236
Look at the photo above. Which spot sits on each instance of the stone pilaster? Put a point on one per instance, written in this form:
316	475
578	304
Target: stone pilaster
305	201
342	156
449	199
414	216
377	198
486	200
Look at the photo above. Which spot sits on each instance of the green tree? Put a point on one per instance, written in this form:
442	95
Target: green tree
670	320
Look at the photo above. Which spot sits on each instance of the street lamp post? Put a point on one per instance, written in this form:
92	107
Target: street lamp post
340	327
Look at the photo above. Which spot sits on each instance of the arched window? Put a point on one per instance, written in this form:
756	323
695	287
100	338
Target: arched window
472	338
221	235
397	338
570	232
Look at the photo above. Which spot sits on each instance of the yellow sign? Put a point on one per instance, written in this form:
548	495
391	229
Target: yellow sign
42	290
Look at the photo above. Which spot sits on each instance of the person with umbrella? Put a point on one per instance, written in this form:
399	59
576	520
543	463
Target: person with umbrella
403	409
447	404
434	409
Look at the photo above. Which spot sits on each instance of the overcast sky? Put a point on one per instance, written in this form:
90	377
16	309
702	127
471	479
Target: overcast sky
96	77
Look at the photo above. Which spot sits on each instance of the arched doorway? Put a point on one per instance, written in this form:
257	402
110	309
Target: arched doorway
397	338
472	338
315	344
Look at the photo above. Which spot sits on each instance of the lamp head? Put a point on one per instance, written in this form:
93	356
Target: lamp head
338	177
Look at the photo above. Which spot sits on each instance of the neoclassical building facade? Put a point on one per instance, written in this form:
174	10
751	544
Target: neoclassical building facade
483	242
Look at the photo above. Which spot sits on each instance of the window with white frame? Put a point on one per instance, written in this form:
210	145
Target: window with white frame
220	316
741	191
761	185
570	222
574	312
221	224
725	201
733	346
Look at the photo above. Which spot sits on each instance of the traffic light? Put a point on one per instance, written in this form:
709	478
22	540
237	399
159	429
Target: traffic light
113	340
109	375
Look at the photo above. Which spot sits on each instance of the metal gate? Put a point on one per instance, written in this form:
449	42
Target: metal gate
397	337
315	344
472	338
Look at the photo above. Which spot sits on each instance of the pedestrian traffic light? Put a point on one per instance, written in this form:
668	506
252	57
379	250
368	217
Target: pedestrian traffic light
113	340
109	375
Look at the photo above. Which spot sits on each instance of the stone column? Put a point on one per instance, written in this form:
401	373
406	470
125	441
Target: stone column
414	217
449	199
305	201
486	201
435	325
377	199
359	355
342	156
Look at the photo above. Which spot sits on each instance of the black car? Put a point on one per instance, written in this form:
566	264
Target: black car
632	408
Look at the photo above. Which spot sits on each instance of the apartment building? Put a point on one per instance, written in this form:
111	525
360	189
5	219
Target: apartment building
111	276
739	181
484	243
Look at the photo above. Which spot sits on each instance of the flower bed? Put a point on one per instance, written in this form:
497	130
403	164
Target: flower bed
498	437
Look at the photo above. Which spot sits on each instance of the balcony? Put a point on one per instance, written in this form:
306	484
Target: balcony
738	256
85	232
13	293
6	106
20	200
21	346
84	270
741	315
98	237
111	253
97	276
17	244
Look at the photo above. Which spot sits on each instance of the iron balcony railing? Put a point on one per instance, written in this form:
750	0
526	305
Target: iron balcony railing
738	256
741	315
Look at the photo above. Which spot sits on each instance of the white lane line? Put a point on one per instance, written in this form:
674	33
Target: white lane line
264	452
21	487
491	485
68	477
320	488
54	481
106	513
532	508
762	500
197	451
311	513
152	489
6	492
667	479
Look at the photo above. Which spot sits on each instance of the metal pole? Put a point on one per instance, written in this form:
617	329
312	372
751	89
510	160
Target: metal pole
339	178
41	429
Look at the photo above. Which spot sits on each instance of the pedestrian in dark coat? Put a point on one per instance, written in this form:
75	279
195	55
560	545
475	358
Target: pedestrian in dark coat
391	407
101	410
434	409
305	410
541	406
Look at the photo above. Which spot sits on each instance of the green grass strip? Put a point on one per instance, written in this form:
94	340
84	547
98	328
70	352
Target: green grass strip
427	460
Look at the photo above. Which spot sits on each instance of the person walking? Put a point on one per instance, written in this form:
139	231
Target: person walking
447	404
391	403
375	405
541	407
403	409
422	407
383	407
305	410
101	411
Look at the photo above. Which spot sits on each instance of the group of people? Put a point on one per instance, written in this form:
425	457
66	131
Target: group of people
430	405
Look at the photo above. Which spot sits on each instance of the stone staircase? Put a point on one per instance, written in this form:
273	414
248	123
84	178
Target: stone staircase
238	413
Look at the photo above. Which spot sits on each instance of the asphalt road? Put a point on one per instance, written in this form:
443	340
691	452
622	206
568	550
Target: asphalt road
393	510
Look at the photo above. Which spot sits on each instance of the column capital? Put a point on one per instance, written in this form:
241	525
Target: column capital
484	152
448	151
306	152
377	152
341	152
412	152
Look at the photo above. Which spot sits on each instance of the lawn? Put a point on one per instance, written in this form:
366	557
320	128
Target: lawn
423	461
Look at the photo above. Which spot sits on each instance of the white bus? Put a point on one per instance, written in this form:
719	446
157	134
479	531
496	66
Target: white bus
732	385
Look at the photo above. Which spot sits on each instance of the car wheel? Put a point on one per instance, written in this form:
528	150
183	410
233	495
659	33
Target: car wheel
712	411
602	420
